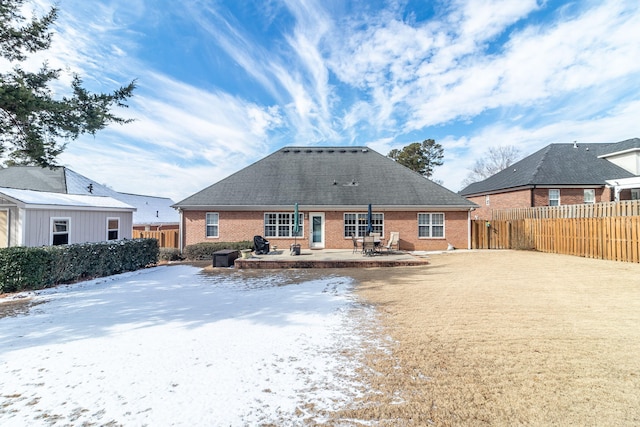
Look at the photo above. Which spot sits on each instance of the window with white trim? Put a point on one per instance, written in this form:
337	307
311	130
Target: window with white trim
60	231
589	195
430	225
356	224
281	224
554	197
486	200
635	194
212	227
113	228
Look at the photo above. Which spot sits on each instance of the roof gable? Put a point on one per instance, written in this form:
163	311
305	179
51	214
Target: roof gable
325	176
555	164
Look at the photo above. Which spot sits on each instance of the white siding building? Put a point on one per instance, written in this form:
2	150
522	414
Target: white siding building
38	218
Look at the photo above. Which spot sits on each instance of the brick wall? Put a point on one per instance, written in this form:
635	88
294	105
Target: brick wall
237	226
512	199
570	196
522	199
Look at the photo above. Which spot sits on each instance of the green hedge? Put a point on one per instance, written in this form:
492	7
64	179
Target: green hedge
205	250
36	268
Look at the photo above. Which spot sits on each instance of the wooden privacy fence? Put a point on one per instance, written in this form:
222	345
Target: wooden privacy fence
608	231
166	238
594	210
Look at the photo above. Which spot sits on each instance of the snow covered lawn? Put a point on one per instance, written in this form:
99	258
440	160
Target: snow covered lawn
173	346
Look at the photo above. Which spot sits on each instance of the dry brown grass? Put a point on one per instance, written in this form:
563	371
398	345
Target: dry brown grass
504	338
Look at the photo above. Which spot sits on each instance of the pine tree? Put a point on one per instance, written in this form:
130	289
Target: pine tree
34	126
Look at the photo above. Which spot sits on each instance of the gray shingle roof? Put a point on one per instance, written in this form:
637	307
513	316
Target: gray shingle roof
150	210
325	176
557	164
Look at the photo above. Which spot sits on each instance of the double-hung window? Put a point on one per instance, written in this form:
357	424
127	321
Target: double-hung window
356	224
113	228
554	197
60	231
589	195
212	226
282	224
430	225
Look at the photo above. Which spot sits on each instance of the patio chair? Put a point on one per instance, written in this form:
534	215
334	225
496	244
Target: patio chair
355	243
376	240
394	239
368	245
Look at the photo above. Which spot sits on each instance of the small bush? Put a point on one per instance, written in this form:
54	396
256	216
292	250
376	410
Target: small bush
205	250
170	254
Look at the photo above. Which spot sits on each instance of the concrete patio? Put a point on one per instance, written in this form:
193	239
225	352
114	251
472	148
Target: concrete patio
331	258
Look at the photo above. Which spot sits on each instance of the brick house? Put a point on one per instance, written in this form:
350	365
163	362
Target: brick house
333	187
562	174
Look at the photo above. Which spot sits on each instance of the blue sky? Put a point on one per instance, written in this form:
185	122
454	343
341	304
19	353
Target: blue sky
224	83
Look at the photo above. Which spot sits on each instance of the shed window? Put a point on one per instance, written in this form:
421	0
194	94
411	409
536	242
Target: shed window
356	224
113	228
430	225
281	224
212	224
60	231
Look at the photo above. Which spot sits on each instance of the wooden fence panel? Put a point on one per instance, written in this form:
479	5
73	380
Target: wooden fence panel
166	238
614	238
597	210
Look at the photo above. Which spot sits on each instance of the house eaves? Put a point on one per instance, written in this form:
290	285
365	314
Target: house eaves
30	199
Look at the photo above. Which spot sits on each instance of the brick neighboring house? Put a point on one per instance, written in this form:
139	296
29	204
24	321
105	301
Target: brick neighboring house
562	174
333	187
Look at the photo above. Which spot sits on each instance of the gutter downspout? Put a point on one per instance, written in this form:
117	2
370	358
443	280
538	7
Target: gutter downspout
469	228
533	198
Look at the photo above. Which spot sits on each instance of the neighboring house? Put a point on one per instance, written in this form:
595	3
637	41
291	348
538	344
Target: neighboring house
333	187
562	174
152	213
39	218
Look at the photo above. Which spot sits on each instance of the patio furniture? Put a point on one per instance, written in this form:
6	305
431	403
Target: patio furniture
260	245
224	258
394	239
355	243
368	245
377	240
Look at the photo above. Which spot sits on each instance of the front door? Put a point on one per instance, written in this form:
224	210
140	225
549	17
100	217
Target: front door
316	239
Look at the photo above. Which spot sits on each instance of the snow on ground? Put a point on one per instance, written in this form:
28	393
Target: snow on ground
172	346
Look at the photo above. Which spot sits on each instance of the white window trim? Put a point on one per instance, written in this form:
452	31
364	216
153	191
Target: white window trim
113	218
206	225
360	216
431	225
52	233
486	200
277	225
591	191
554	189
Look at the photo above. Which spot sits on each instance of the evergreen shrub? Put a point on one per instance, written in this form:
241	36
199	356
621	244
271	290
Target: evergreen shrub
205	250
24	268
